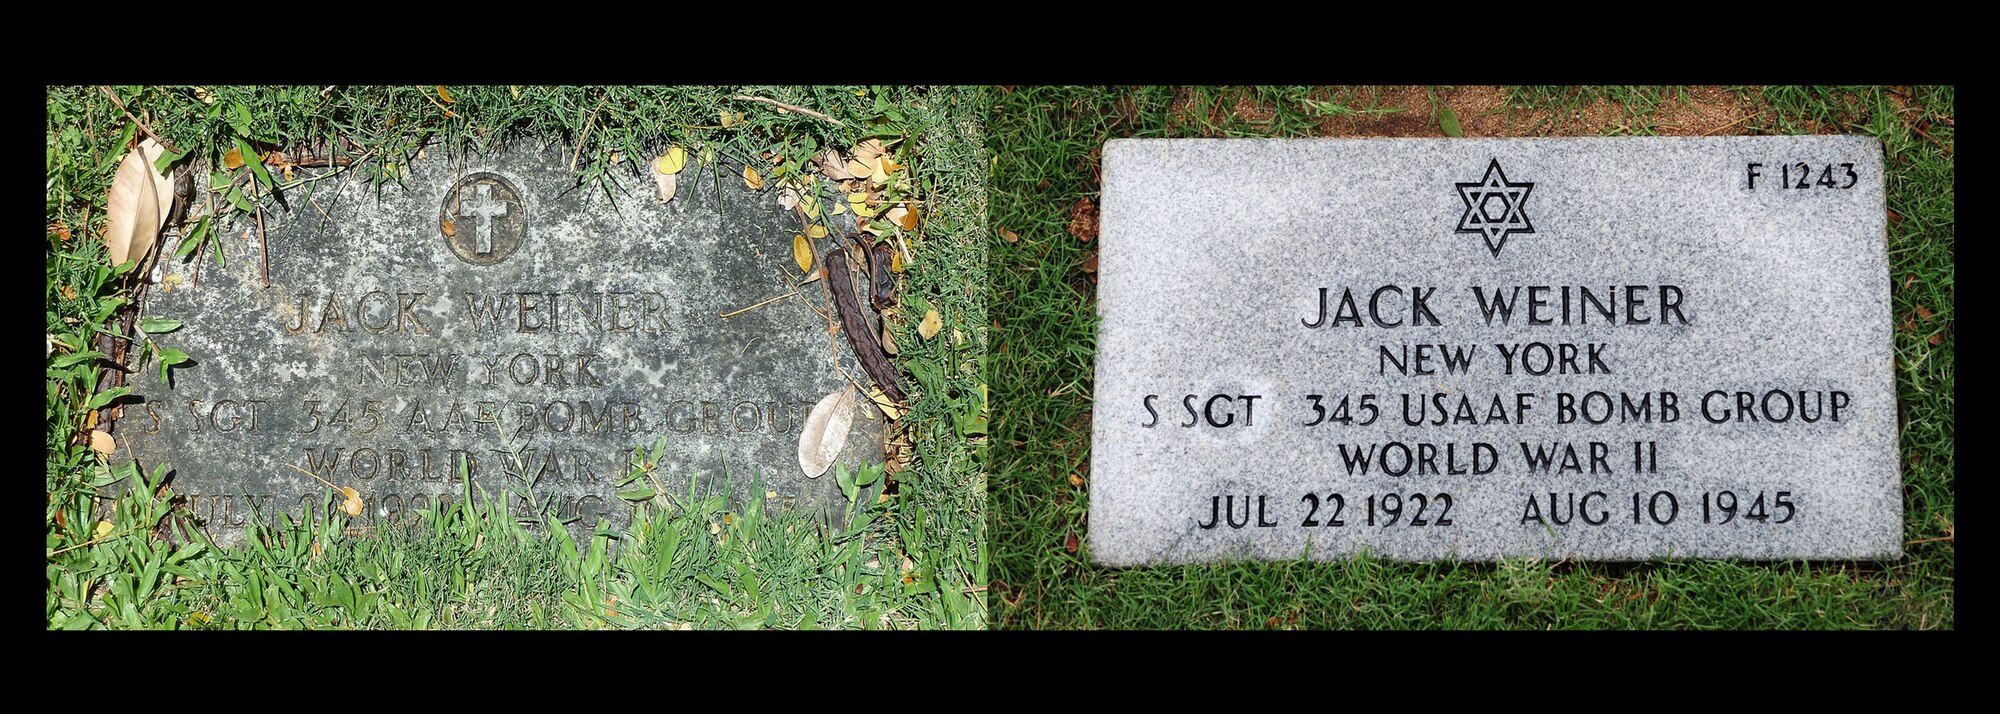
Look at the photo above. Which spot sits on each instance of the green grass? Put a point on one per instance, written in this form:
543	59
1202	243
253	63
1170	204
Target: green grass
911	560
1043	139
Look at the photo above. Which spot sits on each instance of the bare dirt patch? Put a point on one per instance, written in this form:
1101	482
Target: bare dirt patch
1496	111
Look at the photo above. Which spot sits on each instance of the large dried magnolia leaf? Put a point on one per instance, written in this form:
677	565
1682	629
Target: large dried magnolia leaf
826	431
137	204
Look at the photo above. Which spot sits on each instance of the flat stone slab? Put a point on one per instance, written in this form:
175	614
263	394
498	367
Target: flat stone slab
1473	349
492	311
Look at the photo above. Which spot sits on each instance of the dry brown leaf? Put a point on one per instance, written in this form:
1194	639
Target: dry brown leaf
788	198
1010	236
102	443
826	431
1924	313
857	170
668	184
830	164
802	253
1070	543
1937	339
1076	479
819	271
137	204
867	151
752	179
233	160
450	229
1083	220
888	340
931	325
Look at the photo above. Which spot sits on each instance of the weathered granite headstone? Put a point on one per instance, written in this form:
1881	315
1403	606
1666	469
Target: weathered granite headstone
491	311
1611	349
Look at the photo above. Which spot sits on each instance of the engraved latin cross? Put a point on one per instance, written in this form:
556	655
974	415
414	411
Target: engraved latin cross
486	209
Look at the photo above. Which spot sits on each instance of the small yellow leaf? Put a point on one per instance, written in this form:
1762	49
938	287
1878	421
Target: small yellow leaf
446	96
770	494
839	208
1075	480
103	529
809	205
816	231
857	169
931	325
882	401
103	443
672	162
450	229
516	91
802	253
233	159
896	262
751	179
349	493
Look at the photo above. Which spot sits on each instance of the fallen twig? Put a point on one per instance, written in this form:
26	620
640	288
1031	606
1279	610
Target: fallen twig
263	248
142	125
789	107
761	304
105	537
585	134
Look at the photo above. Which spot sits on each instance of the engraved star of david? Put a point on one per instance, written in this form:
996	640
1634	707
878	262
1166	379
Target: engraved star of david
1493	207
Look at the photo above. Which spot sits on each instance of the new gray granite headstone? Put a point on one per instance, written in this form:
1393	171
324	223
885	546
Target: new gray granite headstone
1616	349
543	336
